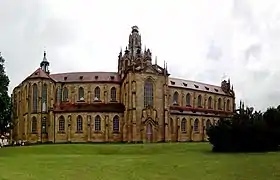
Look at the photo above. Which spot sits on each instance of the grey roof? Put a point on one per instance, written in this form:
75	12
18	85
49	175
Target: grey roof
198	86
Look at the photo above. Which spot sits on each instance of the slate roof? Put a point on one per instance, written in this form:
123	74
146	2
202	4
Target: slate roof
86	77
187	84
114	77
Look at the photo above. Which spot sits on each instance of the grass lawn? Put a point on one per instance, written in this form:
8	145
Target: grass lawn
138	161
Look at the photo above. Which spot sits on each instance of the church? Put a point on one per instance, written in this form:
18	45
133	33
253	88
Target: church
140	102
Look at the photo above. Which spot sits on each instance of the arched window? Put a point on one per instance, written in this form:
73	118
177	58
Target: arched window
176	98
81	94
35	97
210	102
219	103
188	99
65	94
25	91
113	94
61	124
196	125
199	103
208	123
79	124
34	125
228	105
97	123
183	125
44	97
148	93
97	93
116	124
171	126
44	125
58	94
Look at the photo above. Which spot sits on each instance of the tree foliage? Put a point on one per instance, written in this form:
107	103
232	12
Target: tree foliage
247	131
5	101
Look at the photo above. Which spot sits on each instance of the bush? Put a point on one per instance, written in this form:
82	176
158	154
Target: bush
246	132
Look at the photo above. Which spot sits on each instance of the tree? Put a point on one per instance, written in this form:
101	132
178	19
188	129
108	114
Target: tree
246	131
5	100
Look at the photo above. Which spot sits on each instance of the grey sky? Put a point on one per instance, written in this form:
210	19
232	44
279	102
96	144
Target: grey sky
201	40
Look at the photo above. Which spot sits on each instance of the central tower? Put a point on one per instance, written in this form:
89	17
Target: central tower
135	44
143	92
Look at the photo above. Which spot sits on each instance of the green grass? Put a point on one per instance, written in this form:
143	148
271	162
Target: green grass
172	161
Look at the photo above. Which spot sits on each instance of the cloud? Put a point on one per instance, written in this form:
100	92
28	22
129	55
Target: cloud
244	38
59	32
214	52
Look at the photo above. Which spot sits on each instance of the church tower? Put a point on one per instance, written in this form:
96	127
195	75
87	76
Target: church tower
134	58
143	92
134	45
45	64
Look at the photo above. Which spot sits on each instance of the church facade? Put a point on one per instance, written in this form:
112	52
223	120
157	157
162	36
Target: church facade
138	103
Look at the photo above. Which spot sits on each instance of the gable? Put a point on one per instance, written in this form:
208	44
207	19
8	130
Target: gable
153	69
39	73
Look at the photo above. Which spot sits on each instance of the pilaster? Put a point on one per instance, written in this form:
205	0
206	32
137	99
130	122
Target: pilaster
88	128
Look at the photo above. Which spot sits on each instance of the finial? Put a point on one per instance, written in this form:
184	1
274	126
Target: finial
164	64
156	60
45	56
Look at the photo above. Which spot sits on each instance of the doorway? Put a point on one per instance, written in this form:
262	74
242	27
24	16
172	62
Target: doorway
149	133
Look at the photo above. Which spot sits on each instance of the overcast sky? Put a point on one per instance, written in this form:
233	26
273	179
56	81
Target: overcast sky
200	39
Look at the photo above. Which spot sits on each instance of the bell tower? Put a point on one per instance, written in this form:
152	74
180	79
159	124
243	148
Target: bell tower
135	44
45	64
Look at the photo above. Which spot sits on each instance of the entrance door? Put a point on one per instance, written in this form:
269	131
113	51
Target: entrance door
149	133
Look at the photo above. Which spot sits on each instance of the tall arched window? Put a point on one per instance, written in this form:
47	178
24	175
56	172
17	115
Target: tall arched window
44	97
148	93
61	124
210	102
34	125
199	101
97	93
35	98
58	94
171	126
113	94
208	123
116	124
183	125
79	124
44	125
196	125
228	105
188	99
97	123
219	103
65	94
81	94
176	98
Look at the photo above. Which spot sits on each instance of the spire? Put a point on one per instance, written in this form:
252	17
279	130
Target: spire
45	56
156	60
45	64
134	41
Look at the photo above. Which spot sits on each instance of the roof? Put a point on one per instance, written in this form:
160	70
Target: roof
198	86
86	77
39	73
114	77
